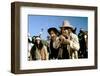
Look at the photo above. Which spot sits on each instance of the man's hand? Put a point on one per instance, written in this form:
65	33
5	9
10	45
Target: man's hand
67	41
63	40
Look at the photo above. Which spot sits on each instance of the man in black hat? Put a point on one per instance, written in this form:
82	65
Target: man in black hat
54	42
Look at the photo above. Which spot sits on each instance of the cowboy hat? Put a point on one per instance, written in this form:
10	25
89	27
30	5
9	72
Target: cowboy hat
53	29
66	25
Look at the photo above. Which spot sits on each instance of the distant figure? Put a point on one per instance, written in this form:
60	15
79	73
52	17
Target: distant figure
39	51
86	38
83	37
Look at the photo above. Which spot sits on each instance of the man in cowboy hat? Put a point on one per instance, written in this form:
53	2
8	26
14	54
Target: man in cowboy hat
69	39
54	42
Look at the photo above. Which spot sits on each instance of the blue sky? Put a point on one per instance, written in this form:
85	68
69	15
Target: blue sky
38	22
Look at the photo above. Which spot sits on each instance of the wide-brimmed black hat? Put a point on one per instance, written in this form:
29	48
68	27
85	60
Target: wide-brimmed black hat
53	29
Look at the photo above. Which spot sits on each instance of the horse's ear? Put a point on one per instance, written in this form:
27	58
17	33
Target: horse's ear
74	31
29	40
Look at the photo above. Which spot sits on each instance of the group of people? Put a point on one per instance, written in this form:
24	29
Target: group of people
63	44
